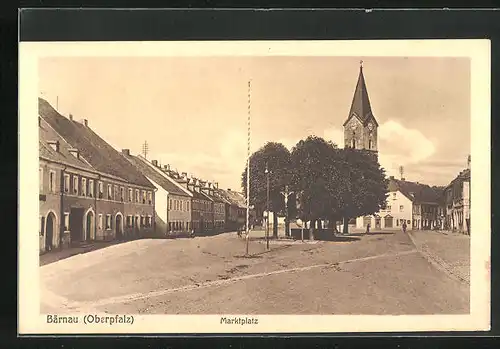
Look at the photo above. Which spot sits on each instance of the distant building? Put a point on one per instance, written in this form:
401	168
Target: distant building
416	203
173	200
89	191
457	203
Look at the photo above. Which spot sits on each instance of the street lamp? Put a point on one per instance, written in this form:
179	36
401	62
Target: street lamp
267	208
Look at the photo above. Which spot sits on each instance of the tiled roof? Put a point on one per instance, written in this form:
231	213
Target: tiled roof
237	197
416	192
45	135
232	197
102	156
163	180
360	102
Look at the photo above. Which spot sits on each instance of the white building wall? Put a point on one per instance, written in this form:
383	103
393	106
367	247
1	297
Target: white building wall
395	200
161	205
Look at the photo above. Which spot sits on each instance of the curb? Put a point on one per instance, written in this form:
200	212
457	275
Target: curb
438	263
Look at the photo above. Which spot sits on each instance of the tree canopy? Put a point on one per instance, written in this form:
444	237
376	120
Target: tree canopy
328	183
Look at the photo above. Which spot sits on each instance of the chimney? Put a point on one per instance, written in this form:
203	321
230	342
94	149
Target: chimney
216	185
166	167
54	145
184	175
391	177
85	122
228	189
468	162
155	163
71	117
126	152
404	179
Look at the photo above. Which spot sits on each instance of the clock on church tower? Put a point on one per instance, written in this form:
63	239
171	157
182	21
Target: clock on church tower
360	128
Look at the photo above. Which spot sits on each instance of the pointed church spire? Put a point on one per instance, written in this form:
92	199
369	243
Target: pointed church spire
361	103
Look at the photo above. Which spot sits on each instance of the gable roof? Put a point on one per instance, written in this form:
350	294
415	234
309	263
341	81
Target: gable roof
45	135
360	106
99	154
416	192
163	180
236	197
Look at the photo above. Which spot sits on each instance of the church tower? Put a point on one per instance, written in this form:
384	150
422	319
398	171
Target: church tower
360	128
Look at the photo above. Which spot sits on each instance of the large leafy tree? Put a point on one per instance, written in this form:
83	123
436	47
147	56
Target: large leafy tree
277	158
363	187
315	179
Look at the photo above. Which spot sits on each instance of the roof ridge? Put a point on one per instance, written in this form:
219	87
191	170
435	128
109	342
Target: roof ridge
144	160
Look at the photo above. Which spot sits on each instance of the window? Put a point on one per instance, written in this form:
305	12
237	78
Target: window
122	194
170	204
110	192
393	196
137	195
40	176
143	196
75	184
401	208
101	190
187	206
84	186
130	194
52	182
108	221
66	221
42	225
142	221
389	207
369	144
100	221
91	187
150	197
353	144
66	183
115	192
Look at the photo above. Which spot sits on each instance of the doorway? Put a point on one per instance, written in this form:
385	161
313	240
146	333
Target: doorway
49	232
377	222
388	221
76	224
119	226
89	226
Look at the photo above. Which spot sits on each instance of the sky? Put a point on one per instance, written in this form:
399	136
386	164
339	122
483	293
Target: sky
193	111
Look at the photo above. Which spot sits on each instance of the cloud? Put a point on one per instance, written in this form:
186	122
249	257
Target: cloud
401	146
335	135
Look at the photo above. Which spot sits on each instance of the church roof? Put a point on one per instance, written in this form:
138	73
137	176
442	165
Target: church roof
360	106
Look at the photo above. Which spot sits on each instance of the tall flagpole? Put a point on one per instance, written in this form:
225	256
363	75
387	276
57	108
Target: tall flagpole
248	169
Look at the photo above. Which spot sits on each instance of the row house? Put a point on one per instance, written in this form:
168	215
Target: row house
235	210
101	196
457	203
173	201
218	206
415	203
202	215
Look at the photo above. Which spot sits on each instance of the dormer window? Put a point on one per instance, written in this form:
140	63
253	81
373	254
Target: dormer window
54	145
75	153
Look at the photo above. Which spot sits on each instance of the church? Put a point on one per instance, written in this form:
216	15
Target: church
415	203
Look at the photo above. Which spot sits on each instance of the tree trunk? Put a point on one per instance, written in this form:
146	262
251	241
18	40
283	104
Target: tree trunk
311	229
346	226
331	225
275	225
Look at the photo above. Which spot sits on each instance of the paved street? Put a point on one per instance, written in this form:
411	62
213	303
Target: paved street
379	273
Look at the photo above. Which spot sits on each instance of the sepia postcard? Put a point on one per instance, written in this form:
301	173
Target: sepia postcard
254	187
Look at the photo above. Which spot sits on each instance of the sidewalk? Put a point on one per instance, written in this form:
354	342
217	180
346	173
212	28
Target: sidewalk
56	255
448	251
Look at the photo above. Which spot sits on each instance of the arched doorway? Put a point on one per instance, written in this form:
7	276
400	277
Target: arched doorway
388	221
367	220
89	226
49	231
119	226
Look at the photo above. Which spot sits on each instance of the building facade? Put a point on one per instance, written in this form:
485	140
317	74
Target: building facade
457	203
416	203
172	200
89	191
